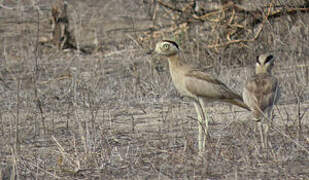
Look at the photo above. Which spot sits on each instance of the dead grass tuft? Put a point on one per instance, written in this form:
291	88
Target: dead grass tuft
114	114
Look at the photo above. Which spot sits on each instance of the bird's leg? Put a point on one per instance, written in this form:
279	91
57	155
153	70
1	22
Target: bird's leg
269	121
204	111
260	125
271	118
200	118
263	126
266	126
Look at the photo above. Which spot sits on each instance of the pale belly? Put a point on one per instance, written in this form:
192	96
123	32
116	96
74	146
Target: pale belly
181	86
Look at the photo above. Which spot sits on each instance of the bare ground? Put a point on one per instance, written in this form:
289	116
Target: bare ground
114	114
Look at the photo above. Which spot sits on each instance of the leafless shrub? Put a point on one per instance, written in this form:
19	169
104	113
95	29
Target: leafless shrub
114	114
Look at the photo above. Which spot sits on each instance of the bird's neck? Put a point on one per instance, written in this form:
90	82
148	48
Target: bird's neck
174	61
262	71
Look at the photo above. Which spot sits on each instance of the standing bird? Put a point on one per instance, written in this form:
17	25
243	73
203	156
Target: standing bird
261	92
199	86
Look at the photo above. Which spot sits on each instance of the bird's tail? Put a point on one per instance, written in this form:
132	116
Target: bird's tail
238	102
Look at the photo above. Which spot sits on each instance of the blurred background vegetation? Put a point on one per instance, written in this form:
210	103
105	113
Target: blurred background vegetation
105	107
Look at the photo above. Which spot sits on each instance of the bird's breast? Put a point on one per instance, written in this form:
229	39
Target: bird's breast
179	81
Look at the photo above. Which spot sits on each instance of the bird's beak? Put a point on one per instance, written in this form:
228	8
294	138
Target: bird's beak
156	55
150	51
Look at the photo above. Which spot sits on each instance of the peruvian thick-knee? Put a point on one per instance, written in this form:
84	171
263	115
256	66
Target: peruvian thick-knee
198	85
261	92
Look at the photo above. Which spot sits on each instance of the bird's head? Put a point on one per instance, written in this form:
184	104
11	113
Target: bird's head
167	48
264	63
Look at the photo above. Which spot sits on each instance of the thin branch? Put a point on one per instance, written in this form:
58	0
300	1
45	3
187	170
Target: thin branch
245	40
169	6
36	70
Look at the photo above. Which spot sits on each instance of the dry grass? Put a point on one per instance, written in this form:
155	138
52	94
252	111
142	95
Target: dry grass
114	114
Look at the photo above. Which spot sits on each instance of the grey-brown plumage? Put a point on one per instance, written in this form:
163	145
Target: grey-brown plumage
260	94
194	83
261	91
200	86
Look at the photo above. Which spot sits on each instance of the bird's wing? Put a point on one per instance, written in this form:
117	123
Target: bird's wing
261	91
205	85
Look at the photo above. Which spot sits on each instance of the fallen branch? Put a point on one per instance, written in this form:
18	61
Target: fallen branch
244	40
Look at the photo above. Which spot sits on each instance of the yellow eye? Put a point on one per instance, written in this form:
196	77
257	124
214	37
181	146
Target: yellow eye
166	46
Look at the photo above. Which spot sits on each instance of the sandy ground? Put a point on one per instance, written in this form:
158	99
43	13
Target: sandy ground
121	118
